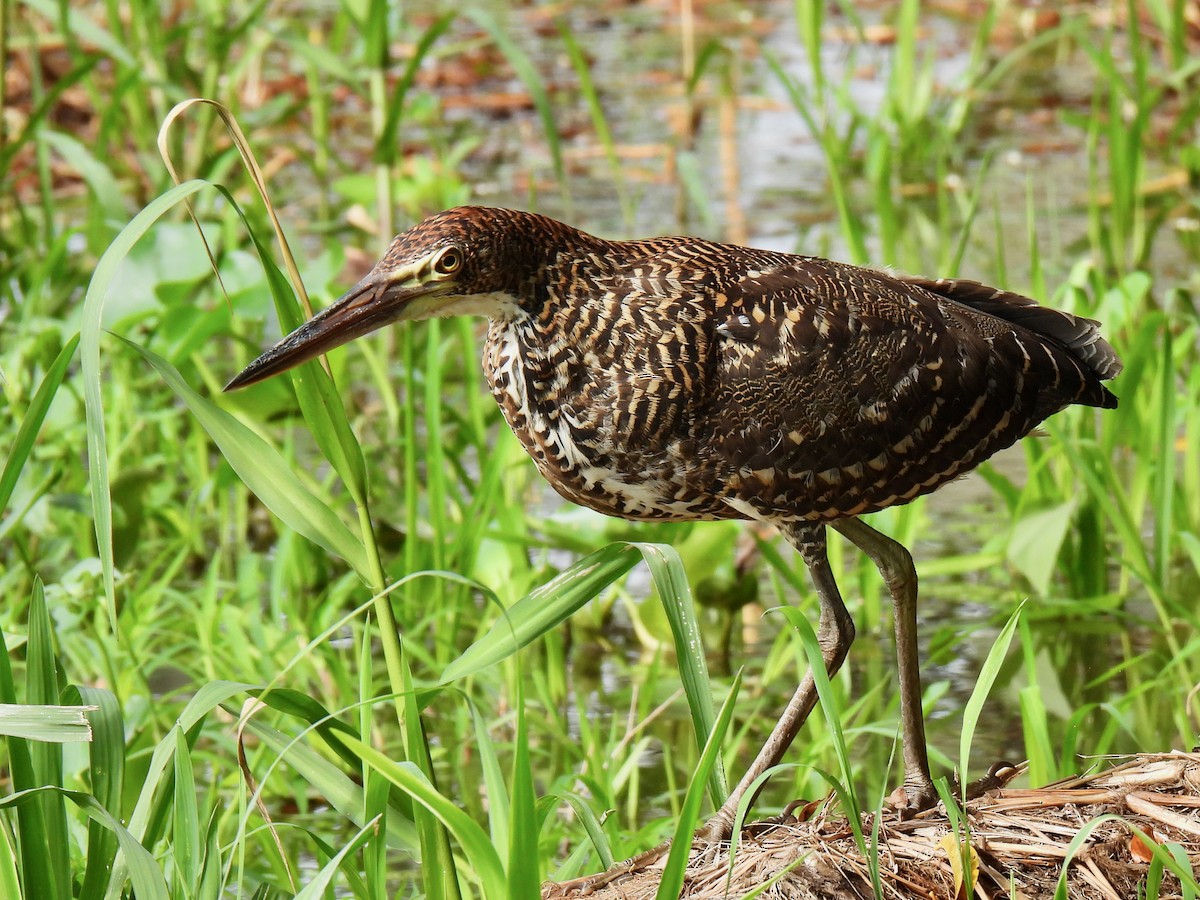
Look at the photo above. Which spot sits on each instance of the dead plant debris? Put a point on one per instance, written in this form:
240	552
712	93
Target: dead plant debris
1019	841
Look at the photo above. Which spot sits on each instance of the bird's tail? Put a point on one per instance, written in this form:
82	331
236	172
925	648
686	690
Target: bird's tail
1080	337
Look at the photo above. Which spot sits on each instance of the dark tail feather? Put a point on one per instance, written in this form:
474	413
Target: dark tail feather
1079	335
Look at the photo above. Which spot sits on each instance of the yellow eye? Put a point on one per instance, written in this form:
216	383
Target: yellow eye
449	262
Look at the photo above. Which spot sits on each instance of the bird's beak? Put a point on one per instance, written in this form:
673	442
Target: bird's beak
381	298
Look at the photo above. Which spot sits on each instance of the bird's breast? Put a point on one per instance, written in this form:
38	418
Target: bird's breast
604	434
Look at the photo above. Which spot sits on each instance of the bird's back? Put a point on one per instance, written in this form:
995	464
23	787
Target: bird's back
680	378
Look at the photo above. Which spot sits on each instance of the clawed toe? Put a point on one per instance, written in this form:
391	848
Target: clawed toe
915	796
912	798
1000	774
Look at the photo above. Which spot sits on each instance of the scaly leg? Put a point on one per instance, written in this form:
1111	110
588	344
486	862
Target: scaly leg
835	633
896	566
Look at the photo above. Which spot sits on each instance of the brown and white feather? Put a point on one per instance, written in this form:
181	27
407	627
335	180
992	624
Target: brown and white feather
677	378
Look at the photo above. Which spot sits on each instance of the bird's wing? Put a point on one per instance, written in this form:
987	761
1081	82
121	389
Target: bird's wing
1076	334
841	390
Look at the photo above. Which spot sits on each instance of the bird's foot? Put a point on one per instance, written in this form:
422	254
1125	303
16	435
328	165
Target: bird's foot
787	817
917	795
912	797
1000	774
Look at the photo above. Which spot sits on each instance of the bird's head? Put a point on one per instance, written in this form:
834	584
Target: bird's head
465	261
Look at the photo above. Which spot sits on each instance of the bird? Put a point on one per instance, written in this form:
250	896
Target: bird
678	379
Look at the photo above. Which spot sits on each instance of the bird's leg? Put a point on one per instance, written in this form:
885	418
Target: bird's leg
896	566
835	633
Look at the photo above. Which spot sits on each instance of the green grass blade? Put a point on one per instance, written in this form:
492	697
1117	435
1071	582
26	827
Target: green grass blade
439	874
89	353
32	421
30	827
591	824
493	782
476	844
324	878
185	840
524	861
48	724
10	879
106	772
1180	855
1037	541
979	694
266	472
828	703
689	816
544	608
42	689
676	594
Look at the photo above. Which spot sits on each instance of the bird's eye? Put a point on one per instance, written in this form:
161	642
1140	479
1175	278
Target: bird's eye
449	262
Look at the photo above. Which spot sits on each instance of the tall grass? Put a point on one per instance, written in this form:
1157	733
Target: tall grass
211	581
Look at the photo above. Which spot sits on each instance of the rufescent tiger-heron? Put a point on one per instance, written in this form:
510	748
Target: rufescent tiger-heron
677	379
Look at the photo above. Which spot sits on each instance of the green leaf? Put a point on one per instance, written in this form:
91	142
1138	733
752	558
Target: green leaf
52	724
476	844
10	879
587	818
52	850
30	827
1037	540
106	771
983	686
524	866
266	472
671	581
544	608
89	357
828	702
681	844
185	843
31	424
440	874
493	782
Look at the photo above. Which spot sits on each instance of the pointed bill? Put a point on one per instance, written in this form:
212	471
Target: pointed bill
381	298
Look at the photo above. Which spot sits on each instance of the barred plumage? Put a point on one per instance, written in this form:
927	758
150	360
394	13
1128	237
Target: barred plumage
678	378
